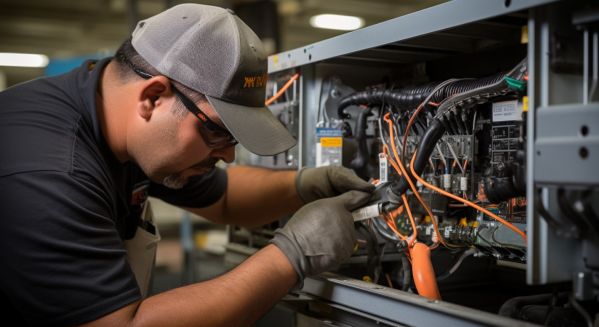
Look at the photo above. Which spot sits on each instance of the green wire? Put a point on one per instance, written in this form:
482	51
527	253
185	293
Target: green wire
515	84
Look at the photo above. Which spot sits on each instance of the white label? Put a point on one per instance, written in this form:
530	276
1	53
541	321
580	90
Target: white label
434	237
427	230
366	212
506	111
447	181
463	183
383	168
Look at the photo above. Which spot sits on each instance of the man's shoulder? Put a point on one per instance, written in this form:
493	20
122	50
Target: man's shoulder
39	126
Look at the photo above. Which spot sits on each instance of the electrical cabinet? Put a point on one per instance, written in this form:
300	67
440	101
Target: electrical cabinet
479	120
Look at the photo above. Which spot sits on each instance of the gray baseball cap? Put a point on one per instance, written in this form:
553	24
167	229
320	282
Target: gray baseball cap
212	51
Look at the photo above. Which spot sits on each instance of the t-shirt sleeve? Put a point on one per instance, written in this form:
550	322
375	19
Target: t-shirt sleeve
63	262
201	191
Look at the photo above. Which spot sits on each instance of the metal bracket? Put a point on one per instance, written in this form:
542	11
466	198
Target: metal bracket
567	145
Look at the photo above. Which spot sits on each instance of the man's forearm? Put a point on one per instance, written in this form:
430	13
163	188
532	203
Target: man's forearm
237	298
256	196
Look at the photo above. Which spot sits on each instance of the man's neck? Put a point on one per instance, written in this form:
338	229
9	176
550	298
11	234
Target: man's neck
111	111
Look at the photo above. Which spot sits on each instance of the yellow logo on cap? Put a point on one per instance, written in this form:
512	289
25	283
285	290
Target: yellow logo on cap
254	81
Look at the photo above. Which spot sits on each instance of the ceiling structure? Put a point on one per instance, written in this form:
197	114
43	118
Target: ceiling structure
67	28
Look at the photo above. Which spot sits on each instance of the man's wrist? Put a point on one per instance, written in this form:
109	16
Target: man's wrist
292	253
298	177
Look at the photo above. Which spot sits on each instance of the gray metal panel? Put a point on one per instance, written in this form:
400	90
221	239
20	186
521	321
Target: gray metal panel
450	14
536	269
549	258
397	306
567	145
309	87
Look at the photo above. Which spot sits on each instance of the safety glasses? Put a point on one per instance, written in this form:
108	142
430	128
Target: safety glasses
213	134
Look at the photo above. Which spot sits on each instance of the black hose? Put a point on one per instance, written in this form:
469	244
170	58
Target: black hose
565	204
553	223
372	246
407	273
360	162
425	149
511	308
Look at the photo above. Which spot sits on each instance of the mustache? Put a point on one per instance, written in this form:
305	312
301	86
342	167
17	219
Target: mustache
207	163
175	181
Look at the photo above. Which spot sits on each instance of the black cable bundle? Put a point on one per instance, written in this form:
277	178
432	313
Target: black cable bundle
447	117
411	97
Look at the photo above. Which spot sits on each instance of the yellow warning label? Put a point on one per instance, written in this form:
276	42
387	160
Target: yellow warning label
331	142
524	104
524	34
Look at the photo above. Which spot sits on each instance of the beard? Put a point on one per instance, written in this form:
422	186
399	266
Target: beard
178	181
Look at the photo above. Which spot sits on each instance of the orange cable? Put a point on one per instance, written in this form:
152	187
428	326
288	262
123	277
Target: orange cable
282	90
471	204
412	221
391	223
405	173
410	123
389	280
397	212
406	205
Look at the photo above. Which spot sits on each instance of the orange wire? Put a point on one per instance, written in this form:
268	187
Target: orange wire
406	205
391	216
466	202
399	171
389	280
397	212
282	90
391	223
410	123
405	173
412	221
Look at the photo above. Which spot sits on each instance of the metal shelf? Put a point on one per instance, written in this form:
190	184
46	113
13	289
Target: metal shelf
458	26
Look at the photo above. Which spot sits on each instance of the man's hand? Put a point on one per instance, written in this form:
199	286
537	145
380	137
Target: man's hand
321	235
323	182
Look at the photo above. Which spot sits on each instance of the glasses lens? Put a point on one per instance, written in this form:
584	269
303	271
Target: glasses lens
216	138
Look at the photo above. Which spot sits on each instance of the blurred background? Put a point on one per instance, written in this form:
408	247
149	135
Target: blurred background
68	31
42	38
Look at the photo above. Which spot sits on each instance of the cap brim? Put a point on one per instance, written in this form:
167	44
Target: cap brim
257	129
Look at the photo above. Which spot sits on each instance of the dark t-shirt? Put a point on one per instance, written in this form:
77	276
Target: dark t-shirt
66	204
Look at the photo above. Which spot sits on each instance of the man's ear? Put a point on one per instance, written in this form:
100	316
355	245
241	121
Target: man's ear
152	92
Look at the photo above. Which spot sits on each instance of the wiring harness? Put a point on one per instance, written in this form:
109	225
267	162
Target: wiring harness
412	125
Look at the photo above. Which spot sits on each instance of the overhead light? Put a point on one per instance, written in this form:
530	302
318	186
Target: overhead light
23	59
336	22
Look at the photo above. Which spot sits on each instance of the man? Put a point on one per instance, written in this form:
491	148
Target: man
80	152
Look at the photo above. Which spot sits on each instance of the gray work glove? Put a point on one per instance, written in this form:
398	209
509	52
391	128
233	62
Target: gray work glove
321	235
323	182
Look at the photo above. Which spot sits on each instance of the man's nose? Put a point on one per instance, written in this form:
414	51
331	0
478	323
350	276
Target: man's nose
226	154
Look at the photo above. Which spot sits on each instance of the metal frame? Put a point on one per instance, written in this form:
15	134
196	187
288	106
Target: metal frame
434	19
562	128
386	305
